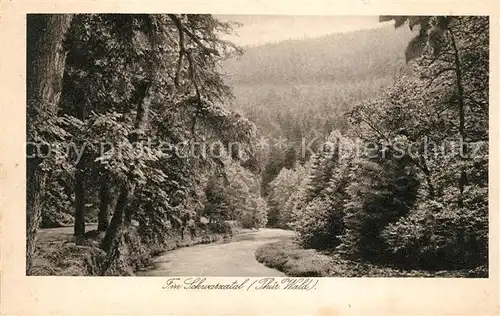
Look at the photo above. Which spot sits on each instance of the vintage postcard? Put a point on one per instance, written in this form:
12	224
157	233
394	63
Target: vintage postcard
300	158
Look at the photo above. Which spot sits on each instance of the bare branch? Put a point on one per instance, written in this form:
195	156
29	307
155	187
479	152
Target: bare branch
372	126
182	49
179	25
436	76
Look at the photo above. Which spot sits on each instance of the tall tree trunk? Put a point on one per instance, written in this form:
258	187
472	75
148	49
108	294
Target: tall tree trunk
105	204
46	58
79	227
461	115
34	196
116	226
428	178
120	222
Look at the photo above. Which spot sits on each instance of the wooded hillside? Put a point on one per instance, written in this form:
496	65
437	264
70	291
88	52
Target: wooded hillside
298	90
405	184
146	133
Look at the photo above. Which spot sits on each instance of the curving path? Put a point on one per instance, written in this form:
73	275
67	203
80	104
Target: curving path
235	258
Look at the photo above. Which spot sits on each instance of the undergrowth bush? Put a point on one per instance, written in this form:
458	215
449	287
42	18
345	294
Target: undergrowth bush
439	234
288	256
68	259
379	193
318	218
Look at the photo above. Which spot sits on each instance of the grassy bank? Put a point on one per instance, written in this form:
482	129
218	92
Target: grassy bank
58	254
287	256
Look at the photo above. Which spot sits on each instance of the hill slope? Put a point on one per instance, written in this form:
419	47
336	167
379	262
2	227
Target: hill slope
298	90
358	55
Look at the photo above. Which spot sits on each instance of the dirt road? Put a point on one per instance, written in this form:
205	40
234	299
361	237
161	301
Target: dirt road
233	258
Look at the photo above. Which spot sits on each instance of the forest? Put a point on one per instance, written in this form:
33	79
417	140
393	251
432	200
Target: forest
151	132
402	188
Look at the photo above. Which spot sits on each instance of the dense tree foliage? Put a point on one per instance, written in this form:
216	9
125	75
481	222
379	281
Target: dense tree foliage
406	183
282	191
132	125
140	98
298	90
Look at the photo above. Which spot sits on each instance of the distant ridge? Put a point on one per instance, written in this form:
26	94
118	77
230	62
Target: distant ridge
356	55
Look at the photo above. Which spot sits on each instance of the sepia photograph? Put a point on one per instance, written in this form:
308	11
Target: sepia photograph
215	145
205	157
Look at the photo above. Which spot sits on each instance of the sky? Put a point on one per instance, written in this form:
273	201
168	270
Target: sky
260	29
